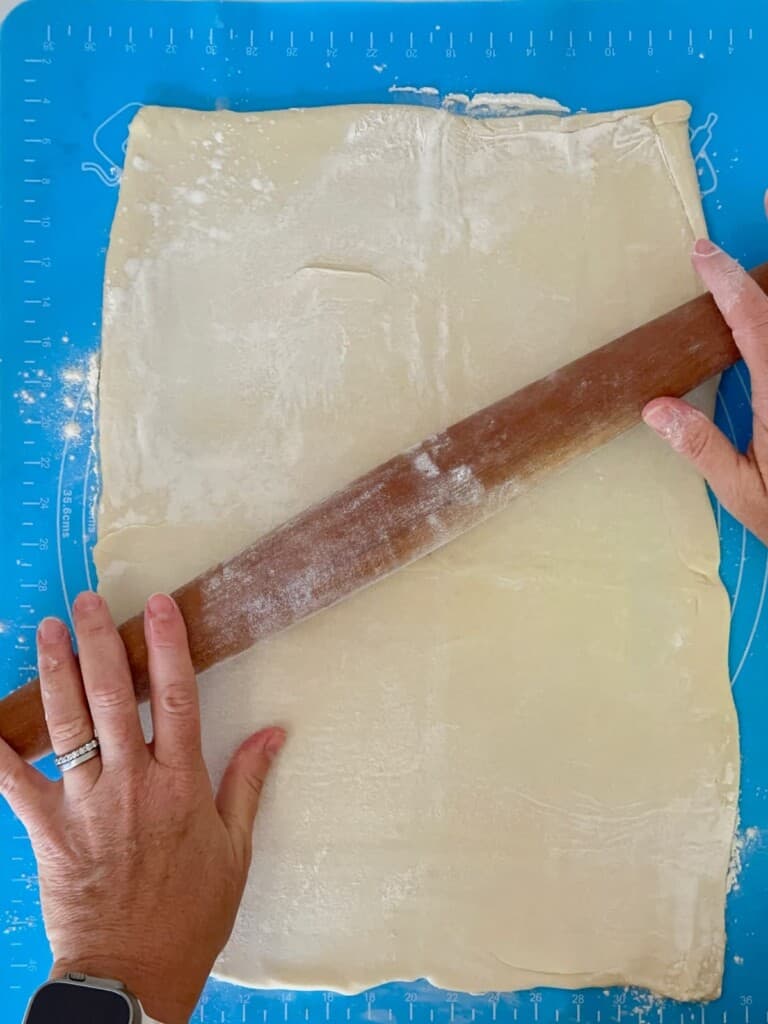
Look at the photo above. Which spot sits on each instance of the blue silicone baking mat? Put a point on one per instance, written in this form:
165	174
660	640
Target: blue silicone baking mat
73	75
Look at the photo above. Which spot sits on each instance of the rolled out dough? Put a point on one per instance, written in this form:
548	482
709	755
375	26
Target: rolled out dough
516	762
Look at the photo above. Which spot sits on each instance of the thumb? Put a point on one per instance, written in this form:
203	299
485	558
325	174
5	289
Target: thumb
241	786
27	791
688	431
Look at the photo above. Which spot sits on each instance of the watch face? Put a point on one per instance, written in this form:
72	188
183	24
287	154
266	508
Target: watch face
63	1002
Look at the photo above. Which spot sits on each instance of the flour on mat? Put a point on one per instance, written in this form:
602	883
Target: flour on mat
744	842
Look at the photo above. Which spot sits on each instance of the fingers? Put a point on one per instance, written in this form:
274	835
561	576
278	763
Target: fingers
27	791
108	683
744	306
66	709
733	477
240	789
741	300
173	687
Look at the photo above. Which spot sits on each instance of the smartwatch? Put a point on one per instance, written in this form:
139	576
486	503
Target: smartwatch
78	998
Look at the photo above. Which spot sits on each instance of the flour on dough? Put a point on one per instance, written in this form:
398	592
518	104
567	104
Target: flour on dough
514	763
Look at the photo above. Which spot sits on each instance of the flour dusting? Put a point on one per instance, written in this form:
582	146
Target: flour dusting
424	464
744	842
193	196
732	287
465	486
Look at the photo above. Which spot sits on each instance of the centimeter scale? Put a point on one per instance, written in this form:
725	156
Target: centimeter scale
73	75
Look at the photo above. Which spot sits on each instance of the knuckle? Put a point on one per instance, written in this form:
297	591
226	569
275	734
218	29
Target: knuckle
70	731
696	440
110	699
165	637
731	270
164	644
53	666
94	627
178	699
254	783
166	632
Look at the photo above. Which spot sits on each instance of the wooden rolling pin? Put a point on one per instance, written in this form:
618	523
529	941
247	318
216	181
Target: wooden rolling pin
422	499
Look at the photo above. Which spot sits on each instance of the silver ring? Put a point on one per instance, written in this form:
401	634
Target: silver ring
89	750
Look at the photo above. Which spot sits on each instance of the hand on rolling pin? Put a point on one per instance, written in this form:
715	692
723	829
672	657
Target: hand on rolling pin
740	482
141	867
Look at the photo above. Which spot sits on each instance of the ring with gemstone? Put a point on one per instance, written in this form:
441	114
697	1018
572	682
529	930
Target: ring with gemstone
89	750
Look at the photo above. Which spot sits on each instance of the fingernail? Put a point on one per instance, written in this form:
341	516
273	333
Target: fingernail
274	744
161	607
88	602
51	631
704	247
667	422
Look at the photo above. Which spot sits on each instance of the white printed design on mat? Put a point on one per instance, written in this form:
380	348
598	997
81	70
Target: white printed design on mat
110	141
701	139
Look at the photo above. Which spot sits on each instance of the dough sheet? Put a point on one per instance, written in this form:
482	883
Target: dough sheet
514	763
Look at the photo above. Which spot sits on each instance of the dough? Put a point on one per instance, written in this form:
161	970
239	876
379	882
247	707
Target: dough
516	762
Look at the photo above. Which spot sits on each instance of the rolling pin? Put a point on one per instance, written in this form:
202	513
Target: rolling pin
421	499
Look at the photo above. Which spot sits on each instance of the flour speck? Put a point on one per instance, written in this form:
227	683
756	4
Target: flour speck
424	464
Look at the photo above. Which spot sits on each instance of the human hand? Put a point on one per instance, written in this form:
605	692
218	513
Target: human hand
141	868
740	482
